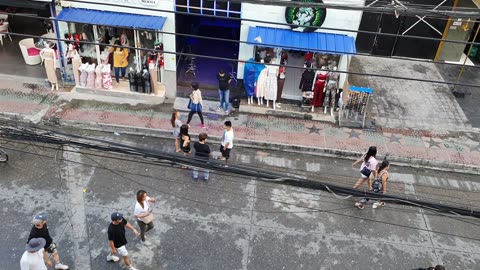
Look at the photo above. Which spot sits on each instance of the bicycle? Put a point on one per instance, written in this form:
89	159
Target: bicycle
3	156
233	76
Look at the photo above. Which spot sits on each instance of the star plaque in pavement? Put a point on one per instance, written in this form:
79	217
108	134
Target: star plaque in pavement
313	129
395	139
433	143
355	134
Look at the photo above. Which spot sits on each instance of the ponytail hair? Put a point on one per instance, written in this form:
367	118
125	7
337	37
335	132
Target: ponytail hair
372	152
383	165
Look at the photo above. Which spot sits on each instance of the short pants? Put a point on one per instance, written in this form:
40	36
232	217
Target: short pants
225	152
52	248
122	251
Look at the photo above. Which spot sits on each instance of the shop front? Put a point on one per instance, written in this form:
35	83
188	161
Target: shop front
310	62
121	50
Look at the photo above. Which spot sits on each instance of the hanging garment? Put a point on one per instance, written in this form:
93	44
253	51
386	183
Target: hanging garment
146	82
271	86
83	75
91	76
318	87
331	90
48	58
153	77
106	77
76	62
139	82
251	72
98	77
261	84
306	83
131	80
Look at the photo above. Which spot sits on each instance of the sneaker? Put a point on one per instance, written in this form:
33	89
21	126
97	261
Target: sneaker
381	204
112	258
205	179
359	205
375	205
195	178
227	112
60	266
146	243
132	268
219	109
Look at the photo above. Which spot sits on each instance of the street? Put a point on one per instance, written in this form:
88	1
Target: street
233	221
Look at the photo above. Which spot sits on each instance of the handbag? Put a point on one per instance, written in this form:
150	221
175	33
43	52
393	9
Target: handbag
189	104
366	171
148	218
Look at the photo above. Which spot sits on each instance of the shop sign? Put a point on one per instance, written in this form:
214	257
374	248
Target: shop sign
303	17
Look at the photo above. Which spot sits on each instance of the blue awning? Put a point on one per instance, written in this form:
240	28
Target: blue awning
311	42
98	17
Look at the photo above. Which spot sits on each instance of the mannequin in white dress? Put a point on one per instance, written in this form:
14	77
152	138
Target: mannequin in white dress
271	83
48	57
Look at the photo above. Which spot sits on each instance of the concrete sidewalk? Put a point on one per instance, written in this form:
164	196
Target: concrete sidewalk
445	151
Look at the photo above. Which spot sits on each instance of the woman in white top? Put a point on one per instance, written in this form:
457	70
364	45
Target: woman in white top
196	104
369	163
176	124
144	215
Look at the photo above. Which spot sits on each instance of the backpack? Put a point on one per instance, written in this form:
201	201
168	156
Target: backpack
377	185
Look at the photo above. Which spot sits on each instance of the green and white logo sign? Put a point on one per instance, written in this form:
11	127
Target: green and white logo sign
303	17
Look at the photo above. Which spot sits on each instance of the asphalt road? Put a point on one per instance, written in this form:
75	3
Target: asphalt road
231	222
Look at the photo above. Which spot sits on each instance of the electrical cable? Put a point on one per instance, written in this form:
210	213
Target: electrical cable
272	64
304	183
311	208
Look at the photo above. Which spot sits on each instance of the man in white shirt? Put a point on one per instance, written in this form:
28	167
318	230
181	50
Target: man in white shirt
34	257
227	141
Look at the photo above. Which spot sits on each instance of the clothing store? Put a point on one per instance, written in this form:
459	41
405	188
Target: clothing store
130	47
294	58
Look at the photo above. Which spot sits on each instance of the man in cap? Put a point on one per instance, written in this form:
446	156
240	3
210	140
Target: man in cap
40	230
34	257
117	239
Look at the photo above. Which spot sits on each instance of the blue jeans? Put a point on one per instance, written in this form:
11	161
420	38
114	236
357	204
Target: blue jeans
206	173
224	98
117	72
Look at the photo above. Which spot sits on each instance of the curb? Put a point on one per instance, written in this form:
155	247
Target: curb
315	151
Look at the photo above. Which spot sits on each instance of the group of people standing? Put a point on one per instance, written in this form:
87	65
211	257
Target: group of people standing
40	242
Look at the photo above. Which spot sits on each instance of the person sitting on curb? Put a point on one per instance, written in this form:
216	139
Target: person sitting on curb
40	230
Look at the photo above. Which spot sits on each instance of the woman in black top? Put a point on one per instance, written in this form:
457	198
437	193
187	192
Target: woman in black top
185	140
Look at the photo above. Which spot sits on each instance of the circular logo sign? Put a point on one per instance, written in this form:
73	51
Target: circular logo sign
303	17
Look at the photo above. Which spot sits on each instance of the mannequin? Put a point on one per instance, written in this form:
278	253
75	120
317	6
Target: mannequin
271	86
306	84
91	76
251	72
319	87
83	74
260	87
48	57
331	91
131	80
280	84
98	77
106	77
146	82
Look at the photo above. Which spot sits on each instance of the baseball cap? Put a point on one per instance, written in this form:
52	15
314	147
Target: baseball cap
116	216
37	219
35	244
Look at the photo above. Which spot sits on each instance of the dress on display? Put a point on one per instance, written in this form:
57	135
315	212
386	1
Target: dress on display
76	62
251	72
106	77
280	83
98	77
83	75
48	58
306	83
153	77
271	85
331	91
261	84
91	76
319	85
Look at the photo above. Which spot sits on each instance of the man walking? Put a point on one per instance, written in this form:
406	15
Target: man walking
34	257
227	142
117	239
202	153
40	230
224	90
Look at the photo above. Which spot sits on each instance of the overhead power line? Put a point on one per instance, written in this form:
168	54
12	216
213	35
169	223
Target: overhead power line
242	61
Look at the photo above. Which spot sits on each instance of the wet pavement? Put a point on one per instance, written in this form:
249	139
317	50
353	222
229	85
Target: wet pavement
233	221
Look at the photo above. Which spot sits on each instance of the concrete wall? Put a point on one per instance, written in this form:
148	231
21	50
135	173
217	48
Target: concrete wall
143	8
338	19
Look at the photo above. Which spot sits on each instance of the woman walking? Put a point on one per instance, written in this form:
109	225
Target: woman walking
120	61
195	104
144	215
369	166
176	124
379	185
185	140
